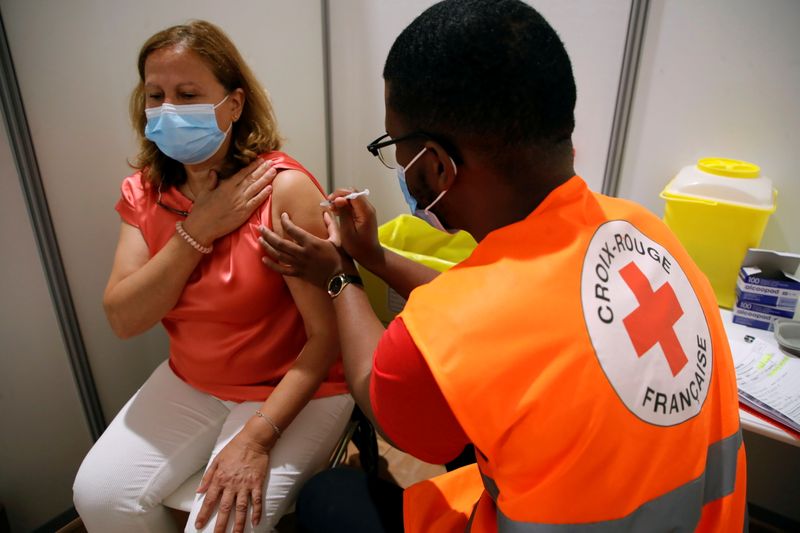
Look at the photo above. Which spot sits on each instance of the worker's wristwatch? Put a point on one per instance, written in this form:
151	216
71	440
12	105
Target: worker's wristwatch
338	282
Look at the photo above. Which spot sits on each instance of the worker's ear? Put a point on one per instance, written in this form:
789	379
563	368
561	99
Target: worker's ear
443	169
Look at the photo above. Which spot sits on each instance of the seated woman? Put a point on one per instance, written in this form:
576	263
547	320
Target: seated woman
252	386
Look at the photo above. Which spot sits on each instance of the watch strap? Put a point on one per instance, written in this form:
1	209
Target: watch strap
353	278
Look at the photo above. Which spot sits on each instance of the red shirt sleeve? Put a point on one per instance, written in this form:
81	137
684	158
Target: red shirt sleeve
132	192
407	402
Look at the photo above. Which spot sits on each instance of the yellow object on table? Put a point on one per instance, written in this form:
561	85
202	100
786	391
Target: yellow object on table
417	240
719	209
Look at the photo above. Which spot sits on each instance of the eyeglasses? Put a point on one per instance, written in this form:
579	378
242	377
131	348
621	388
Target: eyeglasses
384	148
161	204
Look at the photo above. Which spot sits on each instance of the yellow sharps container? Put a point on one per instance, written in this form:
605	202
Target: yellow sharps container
719	208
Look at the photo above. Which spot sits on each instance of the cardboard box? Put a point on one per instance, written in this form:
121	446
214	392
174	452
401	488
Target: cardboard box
780	312
768	288
754	319
770	296
767	268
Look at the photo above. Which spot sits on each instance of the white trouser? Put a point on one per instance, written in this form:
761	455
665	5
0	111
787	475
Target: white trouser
168	431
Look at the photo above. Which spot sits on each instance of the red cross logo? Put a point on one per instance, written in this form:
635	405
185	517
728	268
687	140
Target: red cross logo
652	322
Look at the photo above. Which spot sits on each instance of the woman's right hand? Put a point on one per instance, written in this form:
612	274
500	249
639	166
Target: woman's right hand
358	227
227	204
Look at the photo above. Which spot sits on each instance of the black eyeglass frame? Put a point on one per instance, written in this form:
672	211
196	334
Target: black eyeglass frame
375	146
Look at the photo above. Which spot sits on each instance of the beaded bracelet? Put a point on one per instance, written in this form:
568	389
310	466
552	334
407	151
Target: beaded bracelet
188	238
269	421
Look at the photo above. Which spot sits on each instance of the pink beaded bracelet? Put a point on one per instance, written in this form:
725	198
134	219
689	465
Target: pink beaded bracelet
188	238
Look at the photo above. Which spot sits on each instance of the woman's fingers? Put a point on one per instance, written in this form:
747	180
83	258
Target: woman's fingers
226	503
257	496
247	171
259	198
207	477
209	503
240	518
259	179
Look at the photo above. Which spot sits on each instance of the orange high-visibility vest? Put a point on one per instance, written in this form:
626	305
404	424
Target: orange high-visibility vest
583	353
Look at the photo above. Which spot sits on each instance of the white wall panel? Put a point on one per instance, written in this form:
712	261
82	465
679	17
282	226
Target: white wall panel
43	433
76	64
362	31
721	78
718	78
594	34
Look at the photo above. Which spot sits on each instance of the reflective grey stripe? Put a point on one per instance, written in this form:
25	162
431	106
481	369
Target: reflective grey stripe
491	489
471	518
720	474
489	485
677	510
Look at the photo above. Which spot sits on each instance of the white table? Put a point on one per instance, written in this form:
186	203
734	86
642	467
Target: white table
751	422
773	456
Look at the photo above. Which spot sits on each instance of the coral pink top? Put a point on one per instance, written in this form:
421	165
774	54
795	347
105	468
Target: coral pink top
235	330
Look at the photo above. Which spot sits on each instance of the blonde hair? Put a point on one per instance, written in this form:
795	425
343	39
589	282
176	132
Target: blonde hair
254	133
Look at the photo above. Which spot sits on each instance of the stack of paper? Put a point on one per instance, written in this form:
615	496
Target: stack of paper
769	381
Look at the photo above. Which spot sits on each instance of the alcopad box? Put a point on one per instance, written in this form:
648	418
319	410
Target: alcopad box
768	288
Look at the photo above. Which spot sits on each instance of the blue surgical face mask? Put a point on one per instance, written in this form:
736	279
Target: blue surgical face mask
425	214
186	133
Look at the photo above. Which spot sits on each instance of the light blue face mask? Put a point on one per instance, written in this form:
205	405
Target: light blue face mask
425	214
186	133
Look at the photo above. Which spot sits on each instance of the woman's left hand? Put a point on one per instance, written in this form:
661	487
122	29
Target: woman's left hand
234	479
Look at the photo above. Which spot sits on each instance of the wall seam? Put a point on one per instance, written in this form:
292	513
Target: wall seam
326	84
629	70
30	179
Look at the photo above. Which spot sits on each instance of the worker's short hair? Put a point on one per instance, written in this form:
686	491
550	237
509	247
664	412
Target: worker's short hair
490	71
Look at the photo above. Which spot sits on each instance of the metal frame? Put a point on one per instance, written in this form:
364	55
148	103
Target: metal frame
637	21
30	179
326	76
